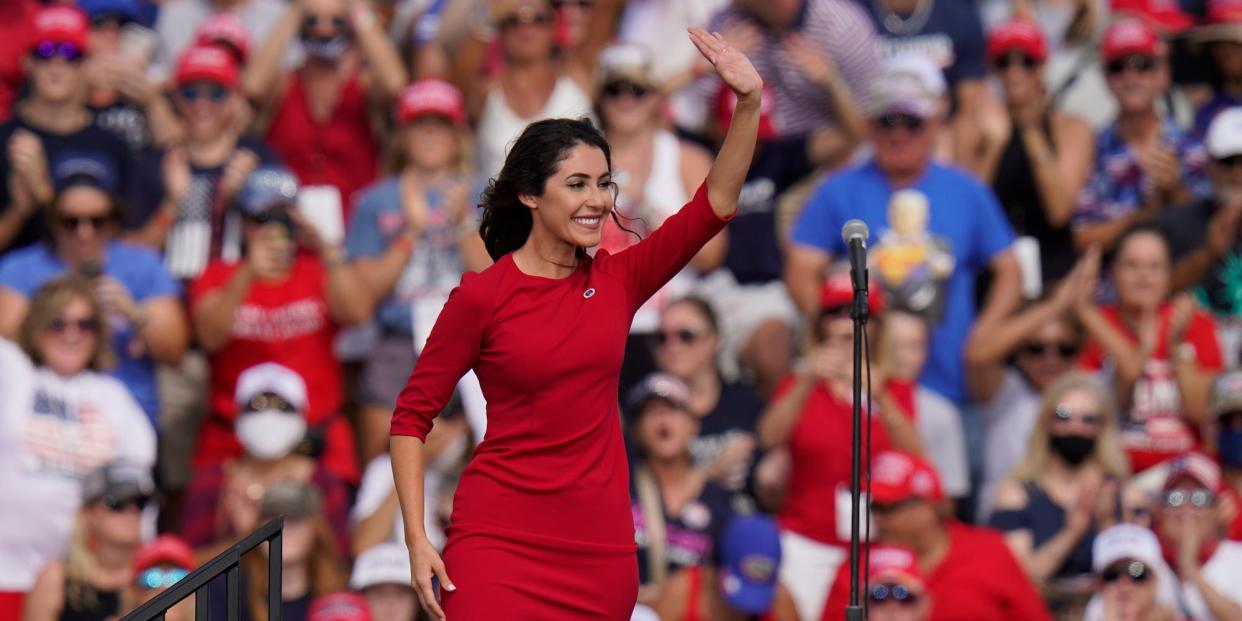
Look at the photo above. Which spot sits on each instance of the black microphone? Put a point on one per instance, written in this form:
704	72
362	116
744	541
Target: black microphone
855	234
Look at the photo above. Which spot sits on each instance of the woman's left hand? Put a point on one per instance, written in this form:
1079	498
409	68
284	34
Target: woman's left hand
731	64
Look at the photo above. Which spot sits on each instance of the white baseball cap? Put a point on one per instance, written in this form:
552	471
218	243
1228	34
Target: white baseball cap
909	83
273	378
1224	135
1122	542
385	563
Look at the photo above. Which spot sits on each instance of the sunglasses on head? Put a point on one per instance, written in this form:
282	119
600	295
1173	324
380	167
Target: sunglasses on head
207	91
60	325
338	22
1231	161
156	578
1016	59
121	505
685	337
1137	63
893	120
1136	571
616	89
1064	414
1063	349
1197	498
897	593
50	49
269	401
73	223
513	21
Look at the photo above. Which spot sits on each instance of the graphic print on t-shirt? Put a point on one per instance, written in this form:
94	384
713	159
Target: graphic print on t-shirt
911	263
66	438
260	323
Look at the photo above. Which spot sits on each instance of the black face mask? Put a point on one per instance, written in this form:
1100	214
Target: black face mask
1073	449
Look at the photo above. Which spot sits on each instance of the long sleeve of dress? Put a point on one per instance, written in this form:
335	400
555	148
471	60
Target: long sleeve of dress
652	262
452	349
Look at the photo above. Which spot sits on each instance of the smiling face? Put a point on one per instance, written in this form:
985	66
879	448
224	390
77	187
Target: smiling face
576	198
1136	80
626	106
84	222
68	343
205	109
1141	271
686	343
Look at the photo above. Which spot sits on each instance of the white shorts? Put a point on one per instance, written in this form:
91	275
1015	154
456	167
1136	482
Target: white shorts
742	308
808	569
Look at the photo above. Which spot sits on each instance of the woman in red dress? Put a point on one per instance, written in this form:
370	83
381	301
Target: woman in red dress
541	525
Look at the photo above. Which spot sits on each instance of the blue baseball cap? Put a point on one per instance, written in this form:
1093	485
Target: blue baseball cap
128	9
89	169
750	561
267	187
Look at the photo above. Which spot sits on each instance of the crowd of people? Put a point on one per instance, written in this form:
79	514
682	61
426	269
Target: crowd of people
228	226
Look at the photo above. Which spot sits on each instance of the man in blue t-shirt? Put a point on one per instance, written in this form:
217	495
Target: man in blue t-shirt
933	228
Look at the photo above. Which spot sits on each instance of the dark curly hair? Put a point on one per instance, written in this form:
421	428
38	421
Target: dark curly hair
506	222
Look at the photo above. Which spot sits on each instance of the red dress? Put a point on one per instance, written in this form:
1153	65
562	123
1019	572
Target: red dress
541	527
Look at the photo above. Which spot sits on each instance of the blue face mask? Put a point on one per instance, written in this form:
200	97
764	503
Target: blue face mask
1231	447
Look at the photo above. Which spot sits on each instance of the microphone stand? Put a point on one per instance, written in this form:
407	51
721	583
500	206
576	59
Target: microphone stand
858	312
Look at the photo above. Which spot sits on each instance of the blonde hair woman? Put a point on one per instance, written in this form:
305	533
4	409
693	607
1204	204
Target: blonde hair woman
1065	489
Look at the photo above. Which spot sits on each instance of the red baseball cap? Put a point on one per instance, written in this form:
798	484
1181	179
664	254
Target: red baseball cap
207	63
1021	35
61	24
726	101
1196	467
431	97
227	29
1165	16
339	607
165	549
838	291
1224	12
897	476
1130	36
889	563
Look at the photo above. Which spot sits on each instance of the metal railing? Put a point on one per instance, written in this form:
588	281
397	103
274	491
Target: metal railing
198	582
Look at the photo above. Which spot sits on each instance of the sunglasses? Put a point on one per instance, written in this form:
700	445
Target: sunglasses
50	49
73	223
513	21
616	89
338	22
1062	349
156	578
1197	498
1232	161
1137	63
60	325
894	120
1009	60
269	401
1064	414
121	505
1136	571
685	337
191	93
897	593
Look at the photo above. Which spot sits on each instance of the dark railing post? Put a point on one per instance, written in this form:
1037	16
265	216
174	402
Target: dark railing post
228	564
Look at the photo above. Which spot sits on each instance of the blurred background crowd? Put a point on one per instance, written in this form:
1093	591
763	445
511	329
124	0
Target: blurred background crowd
227	226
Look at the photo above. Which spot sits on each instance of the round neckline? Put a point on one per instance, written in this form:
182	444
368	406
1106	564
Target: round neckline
549	279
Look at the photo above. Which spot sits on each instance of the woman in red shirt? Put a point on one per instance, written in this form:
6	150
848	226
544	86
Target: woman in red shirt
541	525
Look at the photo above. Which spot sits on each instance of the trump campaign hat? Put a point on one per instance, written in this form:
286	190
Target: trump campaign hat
61	24
909	83
207	63
1196	467
228	30
659	386
431	98
1124	542
274	378
889	563
339	607
897	476
1017	35
750	559
1224	134
165	550
838	292
385	563
1130	37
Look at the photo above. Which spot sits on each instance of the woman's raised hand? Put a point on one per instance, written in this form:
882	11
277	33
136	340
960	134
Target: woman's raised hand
731	64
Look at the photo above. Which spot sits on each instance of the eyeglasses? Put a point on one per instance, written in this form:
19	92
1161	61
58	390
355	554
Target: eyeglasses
1197	498
1136	571
73	223
616	89
156	578
121	505
898	593
1063	349
1137	63
338	22
269	401
191	93
513	21
683	336
48	50
1009	60
1064	414
1232	161
894	120
60	325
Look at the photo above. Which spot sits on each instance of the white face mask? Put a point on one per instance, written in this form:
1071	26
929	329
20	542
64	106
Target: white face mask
270	434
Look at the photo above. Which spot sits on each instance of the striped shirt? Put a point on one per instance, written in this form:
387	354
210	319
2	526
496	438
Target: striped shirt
838	27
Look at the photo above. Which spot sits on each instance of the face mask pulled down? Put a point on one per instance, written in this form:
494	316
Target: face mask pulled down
270	434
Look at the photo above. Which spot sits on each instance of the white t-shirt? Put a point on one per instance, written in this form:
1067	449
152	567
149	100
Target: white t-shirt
1008	420
53	431
1224	573
940	429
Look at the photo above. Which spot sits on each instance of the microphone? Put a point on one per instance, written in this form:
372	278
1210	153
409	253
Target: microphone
855	234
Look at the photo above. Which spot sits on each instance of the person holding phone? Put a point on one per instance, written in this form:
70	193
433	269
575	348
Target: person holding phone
277	304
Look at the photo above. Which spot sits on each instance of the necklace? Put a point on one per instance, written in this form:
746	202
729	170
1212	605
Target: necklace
547	260
899	25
